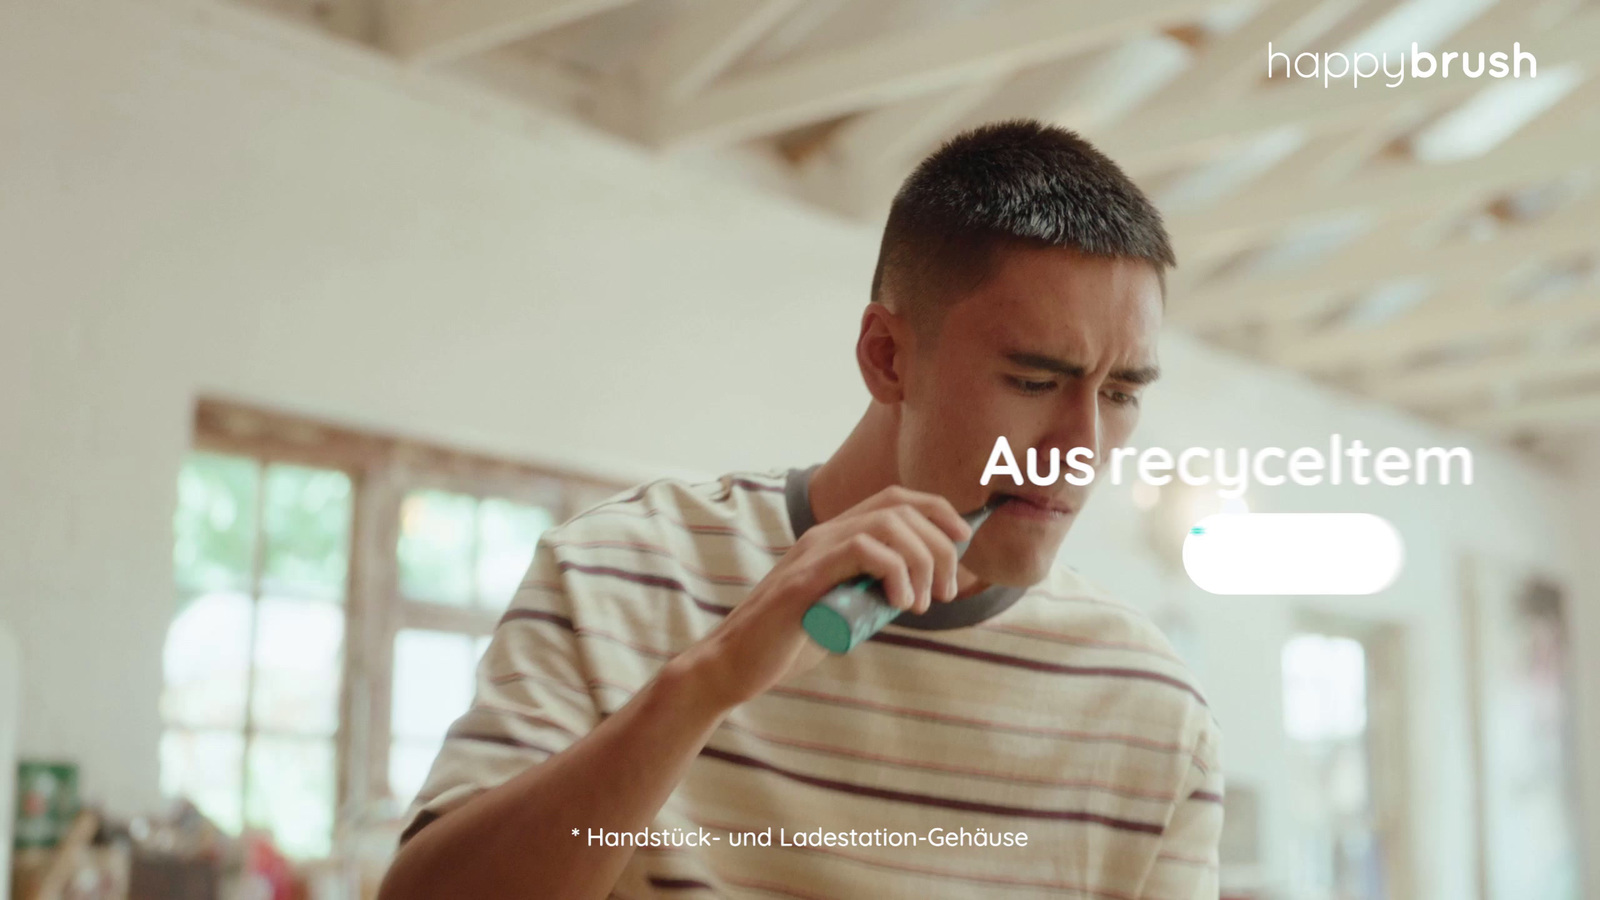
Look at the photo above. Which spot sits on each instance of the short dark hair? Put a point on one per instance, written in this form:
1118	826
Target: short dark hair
1017	182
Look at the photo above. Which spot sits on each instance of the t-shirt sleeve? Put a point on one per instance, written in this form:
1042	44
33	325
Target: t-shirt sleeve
532	698
1186	865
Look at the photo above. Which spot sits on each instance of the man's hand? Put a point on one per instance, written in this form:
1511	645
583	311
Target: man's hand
904	538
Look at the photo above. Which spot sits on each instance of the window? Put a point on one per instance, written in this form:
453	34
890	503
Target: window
253	661
334	594
1325	716
458	554
1344	720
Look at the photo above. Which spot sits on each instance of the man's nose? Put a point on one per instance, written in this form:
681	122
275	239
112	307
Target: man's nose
1076	424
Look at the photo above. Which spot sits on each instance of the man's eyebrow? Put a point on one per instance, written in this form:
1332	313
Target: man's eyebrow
1047	364
1141	375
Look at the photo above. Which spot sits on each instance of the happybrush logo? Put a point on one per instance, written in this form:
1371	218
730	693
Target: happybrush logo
1420	63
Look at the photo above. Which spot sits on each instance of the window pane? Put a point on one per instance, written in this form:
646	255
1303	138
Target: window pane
436	547
215	523
299	646
432	682
206	663
1335	841
291	792
307	520
507	533
1325	687
204	767
409	762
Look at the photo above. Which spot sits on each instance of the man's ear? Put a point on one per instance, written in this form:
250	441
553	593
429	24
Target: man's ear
881	351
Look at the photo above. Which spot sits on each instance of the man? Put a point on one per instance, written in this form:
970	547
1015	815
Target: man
652	720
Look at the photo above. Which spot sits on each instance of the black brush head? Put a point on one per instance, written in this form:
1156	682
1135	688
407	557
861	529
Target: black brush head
976	518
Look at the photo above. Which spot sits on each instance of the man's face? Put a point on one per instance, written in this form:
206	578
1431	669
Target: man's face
1052	351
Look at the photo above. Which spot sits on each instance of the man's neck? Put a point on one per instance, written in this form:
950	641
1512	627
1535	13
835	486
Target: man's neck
862	466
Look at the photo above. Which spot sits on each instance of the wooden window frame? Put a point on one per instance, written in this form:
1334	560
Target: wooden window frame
382	471
1384	647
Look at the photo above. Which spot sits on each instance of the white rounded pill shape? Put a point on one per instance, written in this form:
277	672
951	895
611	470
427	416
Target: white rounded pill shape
1293	553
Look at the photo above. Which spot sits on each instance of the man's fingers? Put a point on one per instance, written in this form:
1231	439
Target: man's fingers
897	529
866	554
944	555
919	533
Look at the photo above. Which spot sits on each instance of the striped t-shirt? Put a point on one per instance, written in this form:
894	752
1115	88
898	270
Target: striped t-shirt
1065	717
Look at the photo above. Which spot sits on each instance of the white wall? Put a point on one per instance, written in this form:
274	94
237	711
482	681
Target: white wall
10	700
193	199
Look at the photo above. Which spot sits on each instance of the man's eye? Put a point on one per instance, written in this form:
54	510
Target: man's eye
1032	387
1122	398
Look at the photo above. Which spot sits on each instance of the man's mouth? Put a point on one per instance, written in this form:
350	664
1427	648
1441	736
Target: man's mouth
1032	506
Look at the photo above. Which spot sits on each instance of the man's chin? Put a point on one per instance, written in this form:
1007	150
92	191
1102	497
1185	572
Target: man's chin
1011	571
1015	556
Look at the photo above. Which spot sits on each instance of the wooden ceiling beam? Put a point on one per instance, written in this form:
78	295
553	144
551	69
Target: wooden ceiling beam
898	67
690	51
1387	255
1565	414
1391	188
435	31
872	153
890	135
1229	65
1438	324
1443	383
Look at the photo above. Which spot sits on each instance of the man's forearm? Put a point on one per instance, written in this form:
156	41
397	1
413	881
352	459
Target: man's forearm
519	834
